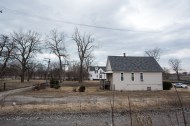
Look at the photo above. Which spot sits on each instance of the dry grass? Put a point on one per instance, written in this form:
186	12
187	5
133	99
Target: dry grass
14	84
92	88
90	99
96	105
70	107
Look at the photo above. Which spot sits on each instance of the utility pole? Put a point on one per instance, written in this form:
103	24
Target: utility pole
66	63
47	71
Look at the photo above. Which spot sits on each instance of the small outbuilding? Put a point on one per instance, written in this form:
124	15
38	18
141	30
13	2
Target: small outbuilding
133	73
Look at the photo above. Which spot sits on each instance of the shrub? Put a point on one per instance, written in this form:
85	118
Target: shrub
54	83
74	89
167	85
82	88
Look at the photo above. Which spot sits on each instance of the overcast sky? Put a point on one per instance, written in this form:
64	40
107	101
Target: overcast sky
143	24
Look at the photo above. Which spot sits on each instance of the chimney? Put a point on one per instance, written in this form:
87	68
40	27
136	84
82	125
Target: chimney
124	55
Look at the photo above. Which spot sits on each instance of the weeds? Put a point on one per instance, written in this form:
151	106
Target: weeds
143	120
131	119
181	106
112	101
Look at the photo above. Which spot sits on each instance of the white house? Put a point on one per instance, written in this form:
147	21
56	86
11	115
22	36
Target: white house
97	72
133	73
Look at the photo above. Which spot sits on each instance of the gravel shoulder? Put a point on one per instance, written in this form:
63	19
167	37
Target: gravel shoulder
92	108
155	117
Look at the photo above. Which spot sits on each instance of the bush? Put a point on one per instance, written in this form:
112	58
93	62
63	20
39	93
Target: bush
167	85
54	83
74	89
82	88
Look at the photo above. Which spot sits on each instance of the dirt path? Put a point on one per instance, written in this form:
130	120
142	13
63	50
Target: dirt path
6	93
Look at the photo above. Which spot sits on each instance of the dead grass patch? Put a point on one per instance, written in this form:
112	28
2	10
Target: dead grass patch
91	99
15	84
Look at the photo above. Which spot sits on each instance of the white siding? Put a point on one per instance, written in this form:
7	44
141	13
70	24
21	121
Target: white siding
108	66
150	79
96	76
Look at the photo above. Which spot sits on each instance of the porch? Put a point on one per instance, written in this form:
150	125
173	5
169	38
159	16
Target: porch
106	84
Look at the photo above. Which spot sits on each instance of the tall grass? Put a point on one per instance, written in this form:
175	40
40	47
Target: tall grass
181	106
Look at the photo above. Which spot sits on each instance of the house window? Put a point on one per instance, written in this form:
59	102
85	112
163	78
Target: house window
141	76
96	71
132	77
148	88
122	77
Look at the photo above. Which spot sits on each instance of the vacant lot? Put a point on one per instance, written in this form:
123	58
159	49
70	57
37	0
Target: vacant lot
15	84
93	99
93	107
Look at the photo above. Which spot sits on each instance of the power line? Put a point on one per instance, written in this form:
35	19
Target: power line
69	22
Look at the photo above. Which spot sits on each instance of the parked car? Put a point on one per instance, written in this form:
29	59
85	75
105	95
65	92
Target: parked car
180	85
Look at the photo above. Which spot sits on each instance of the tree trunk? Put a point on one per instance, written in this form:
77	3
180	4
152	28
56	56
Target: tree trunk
30	73
178	77
60	70
28	78
81	73
3	67
22	77
22	73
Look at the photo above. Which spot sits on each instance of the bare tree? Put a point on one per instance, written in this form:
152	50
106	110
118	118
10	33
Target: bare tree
57	46
31	69
85	47
6	50
73	70
176	66
40	71
27	44
88	61
54	70
154	53
166	73
12	70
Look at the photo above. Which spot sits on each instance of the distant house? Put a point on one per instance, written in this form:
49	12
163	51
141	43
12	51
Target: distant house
97	72
133	73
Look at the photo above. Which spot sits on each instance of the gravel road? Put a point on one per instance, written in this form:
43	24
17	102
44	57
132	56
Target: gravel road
158	118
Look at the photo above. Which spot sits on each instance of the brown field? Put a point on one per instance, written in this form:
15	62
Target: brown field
15	84
93	99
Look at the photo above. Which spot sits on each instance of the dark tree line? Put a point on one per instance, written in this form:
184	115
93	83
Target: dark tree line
27	45
18	52
7	47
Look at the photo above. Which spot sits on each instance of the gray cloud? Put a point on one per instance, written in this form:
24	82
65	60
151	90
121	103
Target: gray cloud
158	23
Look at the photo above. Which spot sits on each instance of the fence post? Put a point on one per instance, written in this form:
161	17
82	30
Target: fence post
4	86
112	105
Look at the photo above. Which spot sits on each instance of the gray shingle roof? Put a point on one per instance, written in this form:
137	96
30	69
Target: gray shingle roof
92	68
134	64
